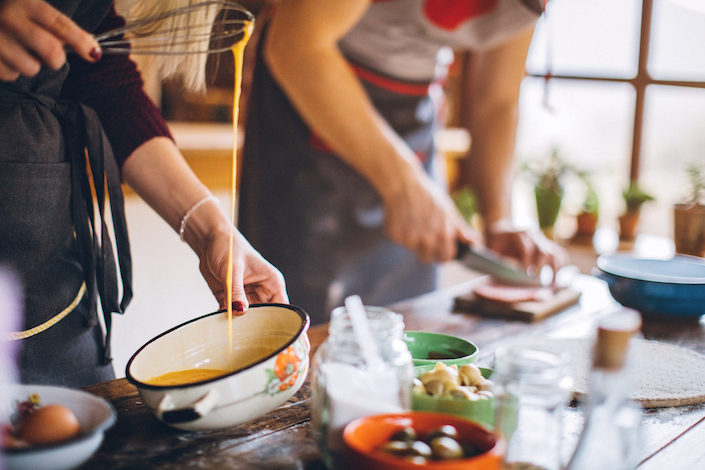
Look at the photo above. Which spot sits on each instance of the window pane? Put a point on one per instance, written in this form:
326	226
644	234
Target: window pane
596	38
674	135
676	51
591	125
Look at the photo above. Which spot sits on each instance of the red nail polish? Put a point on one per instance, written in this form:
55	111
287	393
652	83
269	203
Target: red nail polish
96	53
238	306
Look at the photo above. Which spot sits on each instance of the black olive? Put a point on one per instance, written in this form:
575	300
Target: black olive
471	450
405	434
446	448
445	430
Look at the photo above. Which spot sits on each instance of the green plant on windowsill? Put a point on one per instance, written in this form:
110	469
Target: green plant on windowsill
547	178
466	202
634	197
589	210
689	216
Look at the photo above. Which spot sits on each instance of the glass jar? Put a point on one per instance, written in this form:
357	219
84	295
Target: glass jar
345	388
532	387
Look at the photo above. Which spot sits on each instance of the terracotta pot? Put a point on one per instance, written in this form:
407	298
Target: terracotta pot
628	223
587	224
689	229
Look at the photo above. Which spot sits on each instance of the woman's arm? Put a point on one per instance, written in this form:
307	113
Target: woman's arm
154	170
491	112
303	56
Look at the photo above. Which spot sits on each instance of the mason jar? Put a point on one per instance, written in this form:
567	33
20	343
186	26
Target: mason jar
532	386
344	387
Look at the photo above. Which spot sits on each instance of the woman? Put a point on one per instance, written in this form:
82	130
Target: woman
339	145
50	110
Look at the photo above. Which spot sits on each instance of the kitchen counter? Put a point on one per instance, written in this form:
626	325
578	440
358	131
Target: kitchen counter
672	437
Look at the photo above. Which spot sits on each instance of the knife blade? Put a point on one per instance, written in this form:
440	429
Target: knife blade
484	260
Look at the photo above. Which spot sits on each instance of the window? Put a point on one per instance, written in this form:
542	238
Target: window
626	98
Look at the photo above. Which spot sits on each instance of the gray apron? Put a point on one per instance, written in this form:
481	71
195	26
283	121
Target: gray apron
48	233
315	217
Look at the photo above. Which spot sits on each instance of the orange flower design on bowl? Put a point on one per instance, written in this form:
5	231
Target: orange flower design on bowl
289	365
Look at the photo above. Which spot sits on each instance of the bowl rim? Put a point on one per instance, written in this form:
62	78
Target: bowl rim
606	263
305	322
380	455
100	428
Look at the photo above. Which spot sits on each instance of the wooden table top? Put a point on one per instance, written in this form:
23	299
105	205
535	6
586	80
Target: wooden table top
672	437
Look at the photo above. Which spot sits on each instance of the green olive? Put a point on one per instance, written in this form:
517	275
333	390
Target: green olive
416	460
421	449
405	434
446	448
395	447
445	430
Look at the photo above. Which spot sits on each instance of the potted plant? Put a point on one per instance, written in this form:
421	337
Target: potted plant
589	213
689	216
634	197
548	189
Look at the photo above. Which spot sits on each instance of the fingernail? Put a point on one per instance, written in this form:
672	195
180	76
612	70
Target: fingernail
238	306
96	53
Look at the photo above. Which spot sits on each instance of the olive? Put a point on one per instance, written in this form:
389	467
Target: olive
395	447
405	434
445	430
446	448
421	449
471	450
416	460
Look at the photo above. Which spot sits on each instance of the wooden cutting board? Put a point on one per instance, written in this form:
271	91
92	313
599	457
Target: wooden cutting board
528	311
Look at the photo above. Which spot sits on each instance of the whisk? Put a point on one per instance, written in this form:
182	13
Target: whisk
202	28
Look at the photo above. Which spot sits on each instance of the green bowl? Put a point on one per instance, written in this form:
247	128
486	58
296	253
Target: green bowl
481	411
427	348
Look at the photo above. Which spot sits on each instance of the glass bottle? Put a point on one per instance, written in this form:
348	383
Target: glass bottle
532	385
343	386
610	436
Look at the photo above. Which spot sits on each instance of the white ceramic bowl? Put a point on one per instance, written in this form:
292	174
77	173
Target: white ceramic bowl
270	359
94	414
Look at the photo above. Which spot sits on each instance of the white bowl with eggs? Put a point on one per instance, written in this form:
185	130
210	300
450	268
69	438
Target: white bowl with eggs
93	413
261	366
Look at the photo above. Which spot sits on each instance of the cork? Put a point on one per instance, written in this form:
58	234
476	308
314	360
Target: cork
613	334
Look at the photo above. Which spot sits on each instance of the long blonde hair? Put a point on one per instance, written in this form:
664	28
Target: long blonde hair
191	68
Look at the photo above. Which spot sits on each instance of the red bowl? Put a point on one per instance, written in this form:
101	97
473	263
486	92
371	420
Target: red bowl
363	437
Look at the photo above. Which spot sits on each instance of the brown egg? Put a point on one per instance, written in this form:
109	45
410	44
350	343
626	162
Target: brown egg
49	424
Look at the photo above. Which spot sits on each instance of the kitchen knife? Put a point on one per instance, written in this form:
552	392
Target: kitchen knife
482	259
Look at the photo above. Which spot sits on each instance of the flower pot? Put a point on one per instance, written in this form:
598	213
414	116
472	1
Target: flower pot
548	205
587	224
689	229
628	223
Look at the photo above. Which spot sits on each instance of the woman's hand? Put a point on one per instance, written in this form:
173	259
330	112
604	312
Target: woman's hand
422	217
33	33
254	279
531	249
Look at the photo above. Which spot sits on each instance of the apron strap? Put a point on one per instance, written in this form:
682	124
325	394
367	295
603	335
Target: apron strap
90	155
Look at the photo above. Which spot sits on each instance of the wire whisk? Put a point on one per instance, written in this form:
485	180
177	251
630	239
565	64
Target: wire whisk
203	28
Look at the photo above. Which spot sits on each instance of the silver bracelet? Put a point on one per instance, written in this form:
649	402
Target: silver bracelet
190	211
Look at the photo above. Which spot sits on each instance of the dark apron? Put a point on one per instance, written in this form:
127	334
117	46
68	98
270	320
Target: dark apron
48	233
316	218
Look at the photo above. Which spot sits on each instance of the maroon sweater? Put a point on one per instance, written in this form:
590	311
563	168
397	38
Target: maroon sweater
113	87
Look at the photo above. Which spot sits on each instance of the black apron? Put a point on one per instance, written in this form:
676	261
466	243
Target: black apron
315	217
48	233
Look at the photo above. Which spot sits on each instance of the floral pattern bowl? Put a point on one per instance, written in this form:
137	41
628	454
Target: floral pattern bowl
267	354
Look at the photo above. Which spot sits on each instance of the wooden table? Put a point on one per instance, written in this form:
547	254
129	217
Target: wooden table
672	437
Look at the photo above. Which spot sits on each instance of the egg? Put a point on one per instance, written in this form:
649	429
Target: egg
49	424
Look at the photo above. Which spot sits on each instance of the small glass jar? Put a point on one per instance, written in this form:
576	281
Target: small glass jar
343	386
532	386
